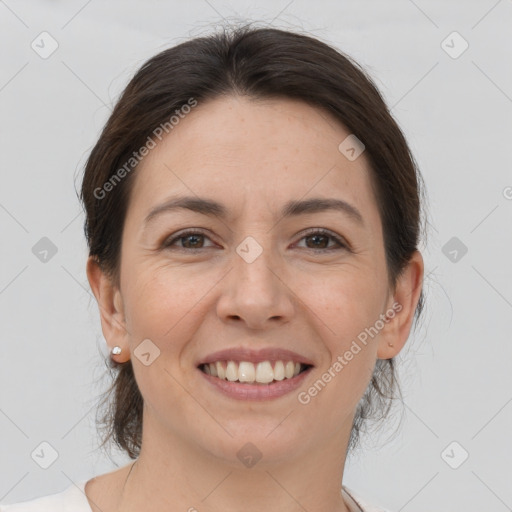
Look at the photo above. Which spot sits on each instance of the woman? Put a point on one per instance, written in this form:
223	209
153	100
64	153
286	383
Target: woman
253	218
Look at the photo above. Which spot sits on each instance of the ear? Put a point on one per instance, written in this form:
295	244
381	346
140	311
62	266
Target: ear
401	309
110	303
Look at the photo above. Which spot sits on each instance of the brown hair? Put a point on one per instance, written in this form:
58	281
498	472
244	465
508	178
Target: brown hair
259	63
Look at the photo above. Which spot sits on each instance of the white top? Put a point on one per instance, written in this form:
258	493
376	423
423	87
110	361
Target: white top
73	499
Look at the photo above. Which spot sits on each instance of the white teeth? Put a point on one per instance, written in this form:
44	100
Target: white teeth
245	371
231	371
264	372
221	372
279	370
289	369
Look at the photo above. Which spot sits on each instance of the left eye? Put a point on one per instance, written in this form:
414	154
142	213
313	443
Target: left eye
325	235
192	240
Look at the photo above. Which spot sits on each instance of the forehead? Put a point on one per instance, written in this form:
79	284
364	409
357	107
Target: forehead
245	152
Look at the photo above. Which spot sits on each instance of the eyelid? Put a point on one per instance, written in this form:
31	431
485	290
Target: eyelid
341	242
174	237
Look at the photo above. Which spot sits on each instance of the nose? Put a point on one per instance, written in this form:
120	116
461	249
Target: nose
257	292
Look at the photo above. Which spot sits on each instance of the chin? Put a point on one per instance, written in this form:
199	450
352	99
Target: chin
265	445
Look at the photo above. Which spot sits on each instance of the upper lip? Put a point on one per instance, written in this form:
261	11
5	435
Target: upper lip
255	356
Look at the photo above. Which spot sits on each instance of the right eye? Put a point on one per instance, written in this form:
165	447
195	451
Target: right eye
189	240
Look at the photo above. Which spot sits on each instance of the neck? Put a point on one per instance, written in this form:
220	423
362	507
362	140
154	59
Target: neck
177	475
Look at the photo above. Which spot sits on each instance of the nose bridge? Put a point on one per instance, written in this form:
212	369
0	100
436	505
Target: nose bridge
255	261
254	291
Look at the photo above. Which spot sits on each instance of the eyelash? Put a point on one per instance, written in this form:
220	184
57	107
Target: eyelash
167	244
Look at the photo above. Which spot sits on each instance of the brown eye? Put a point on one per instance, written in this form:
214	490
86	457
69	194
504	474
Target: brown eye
187	240
192	241
319	241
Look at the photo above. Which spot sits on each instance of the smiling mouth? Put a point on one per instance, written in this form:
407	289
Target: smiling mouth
263	372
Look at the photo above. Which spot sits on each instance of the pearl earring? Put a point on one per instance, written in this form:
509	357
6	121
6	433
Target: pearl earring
116	350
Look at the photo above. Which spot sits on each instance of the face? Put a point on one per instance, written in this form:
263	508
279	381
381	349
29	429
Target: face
254	278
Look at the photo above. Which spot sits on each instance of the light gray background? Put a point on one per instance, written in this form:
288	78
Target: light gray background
456	114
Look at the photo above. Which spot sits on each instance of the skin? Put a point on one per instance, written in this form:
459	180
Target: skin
252	156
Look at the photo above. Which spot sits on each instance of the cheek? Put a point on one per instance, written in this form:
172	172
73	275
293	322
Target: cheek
335	393
163	305
160	301
347	302
348	308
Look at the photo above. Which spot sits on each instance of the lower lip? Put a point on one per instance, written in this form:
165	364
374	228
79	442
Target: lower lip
244	391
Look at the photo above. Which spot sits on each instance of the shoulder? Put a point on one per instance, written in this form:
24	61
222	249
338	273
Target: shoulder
357	503
72	498
77	497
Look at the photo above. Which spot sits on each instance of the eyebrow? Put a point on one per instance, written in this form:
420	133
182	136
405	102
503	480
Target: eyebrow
291	208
